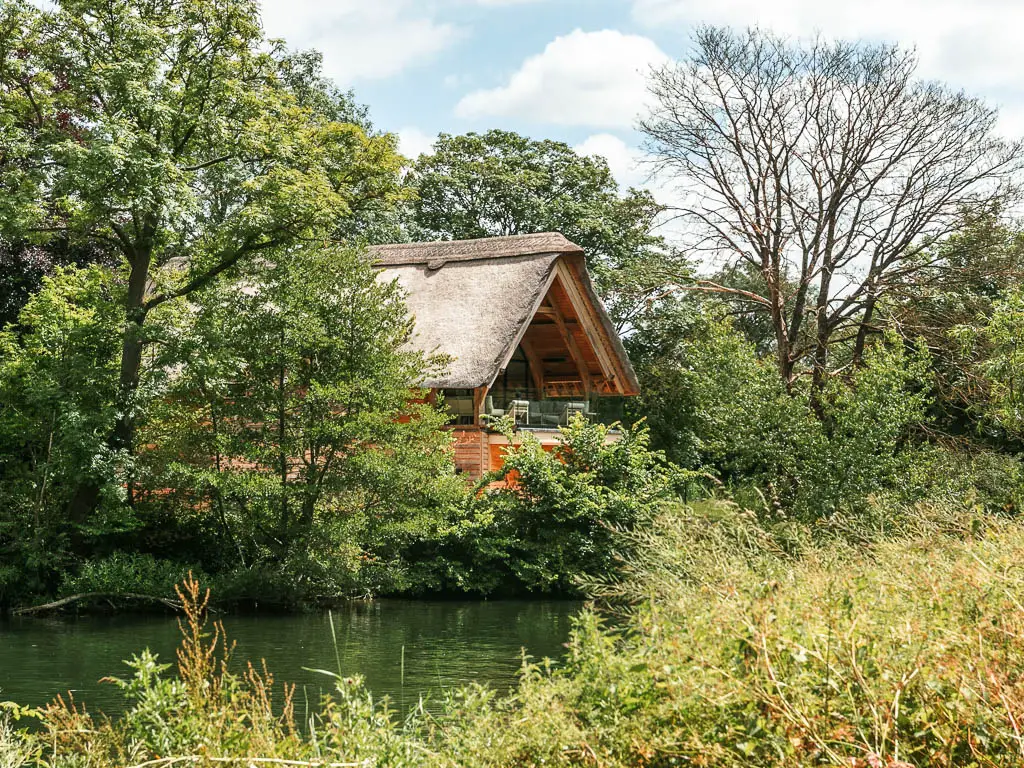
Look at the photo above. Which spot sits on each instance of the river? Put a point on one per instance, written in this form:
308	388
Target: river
404	649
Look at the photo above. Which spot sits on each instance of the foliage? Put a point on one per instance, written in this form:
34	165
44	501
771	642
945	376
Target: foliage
171	133
292	423
368	472
733	650
953	295
205	705
24	265
901	654
15	751
713	405
58	380
997	345
123	572
549	517
828	168
868	429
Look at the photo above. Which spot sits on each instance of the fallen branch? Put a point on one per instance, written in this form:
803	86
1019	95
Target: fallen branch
64	601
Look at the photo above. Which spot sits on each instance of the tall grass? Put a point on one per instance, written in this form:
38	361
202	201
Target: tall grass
901	652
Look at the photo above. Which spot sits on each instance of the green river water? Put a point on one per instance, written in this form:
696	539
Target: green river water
446	644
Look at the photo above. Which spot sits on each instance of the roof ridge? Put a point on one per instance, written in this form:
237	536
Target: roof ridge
436	253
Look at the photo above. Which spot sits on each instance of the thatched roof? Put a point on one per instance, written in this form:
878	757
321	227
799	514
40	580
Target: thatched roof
472	300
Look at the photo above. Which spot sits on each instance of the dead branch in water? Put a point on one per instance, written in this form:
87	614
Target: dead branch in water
108	596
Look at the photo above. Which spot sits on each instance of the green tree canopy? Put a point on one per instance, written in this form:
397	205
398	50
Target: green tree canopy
58	380
291	416
961	285
168	132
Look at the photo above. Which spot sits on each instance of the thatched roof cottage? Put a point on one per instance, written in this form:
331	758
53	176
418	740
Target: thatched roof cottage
526	334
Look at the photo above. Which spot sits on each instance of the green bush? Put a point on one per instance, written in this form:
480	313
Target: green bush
549	518
15	749
124	572
57	382
715	406
985	480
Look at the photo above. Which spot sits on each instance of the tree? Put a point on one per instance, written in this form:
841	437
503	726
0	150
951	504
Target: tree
166	131
291	412
24	265
501	183
714	405
58	381
967	275
553	518
995	346
828	168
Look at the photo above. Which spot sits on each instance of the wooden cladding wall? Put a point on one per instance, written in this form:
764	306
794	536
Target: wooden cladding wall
471	455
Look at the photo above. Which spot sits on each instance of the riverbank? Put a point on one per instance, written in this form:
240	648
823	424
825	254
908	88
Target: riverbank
745	649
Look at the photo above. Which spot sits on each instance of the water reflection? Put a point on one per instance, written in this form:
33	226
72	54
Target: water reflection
446	644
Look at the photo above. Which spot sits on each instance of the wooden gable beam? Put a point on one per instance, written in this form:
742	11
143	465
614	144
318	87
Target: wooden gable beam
574	350
582	306
479	395
536	364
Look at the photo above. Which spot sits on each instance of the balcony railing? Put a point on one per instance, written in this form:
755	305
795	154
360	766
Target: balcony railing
531	412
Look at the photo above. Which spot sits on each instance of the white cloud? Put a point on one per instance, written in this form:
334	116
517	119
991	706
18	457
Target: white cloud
972	45
623	160
495	3
626	163
458	80
583	78
412	142
360	40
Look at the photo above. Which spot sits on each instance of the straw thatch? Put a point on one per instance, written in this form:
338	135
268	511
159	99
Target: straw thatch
473	299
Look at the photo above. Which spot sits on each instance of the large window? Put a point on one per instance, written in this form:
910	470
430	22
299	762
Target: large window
459	403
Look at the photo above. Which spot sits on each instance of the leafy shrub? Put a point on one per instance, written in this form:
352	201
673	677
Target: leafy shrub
58	377
204	707
125	572
549	517
985	480
865	446
715	406
15	750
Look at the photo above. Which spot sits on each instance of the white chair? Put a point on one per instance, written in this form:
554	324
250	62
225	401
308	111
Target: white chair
571	409
520	410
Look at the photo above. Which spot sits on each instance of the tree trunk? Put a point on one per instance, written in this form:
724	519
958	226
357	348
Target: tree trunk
864	330
122	437
783	341
822	337
281	448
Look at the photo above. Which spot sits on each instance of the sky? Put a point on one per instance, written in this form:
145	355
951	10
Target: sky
574	70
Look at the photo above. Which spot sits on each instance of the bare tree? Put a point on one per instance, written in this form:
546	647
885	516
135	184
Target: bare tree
827	168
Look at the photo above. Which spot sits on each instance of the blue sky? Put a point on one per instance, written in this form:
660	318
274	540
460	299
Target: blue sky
573	69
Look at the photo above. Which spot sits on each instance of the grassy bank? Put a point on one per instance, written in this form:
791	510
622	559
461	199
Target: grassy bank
743	645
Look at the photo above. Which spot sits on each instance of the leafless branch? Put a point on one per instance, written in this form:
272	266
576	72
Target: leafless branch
826	167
